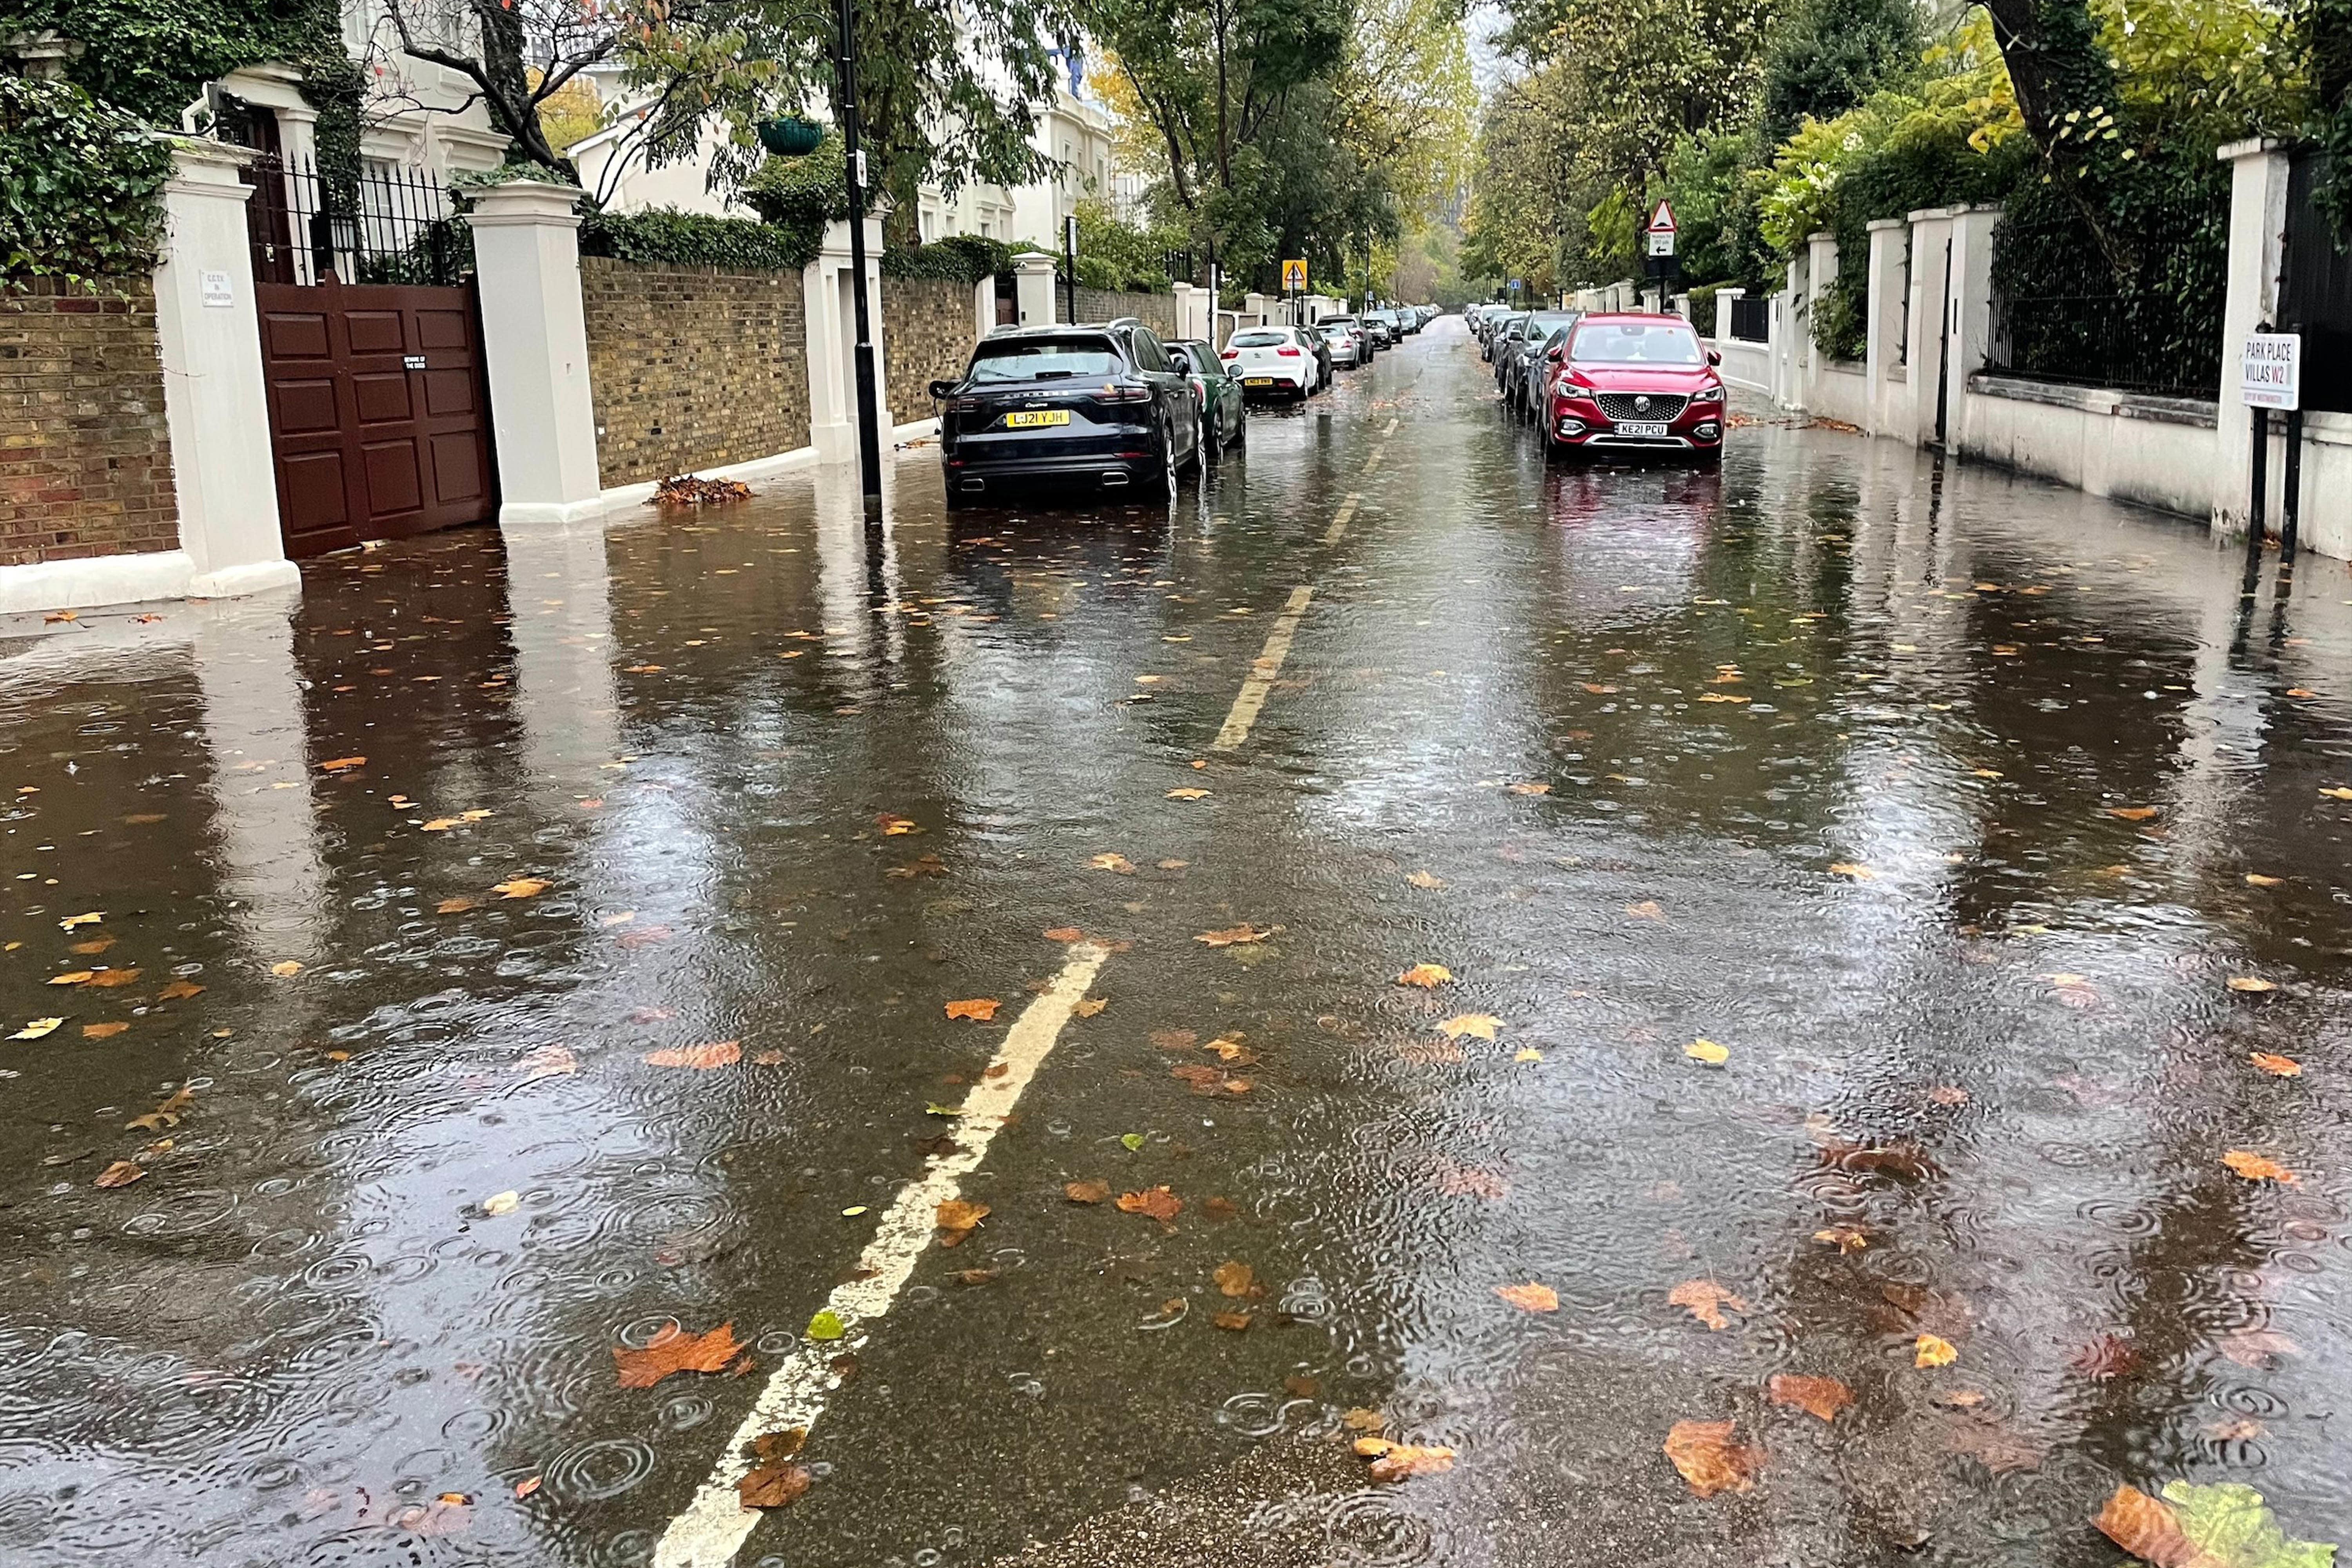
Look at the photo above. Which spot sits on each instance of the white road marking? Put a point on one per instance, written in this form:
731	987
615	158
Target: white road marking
1374	460
1390	428
1236	726
1339	519
715	1524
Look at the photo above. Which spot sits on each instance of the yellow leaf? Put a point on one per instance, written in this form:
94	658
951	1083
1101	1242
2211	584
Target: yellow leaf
286	967
1234	1279
502	1202
37	1028
1186	793
1087	1006
1929	1351
71	977
1423	880
90	919
1647	910
2257	1167
1537	788
522	888
2256	879
1481	1026
2339	793
2276	1066
1428	976
1705	1300
2249	983
1707	1051
1859	873
440	825
1530	1298
1527	1054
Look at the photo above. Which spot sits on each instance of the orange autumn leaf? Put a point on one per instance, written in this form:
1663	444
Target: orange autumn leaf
1234	1279
111	977
1158	1204
1705	1300
718	1054
103	1031
341	763
121	1174
1065	934
983	1008
1404	1461
2275	1064
178	989
1708	1459
1428	976
1531	1297
1930	1350
675	1349
956	1219
1232	1322
2148	1529
1821	1397
1233	936
522	888
2133	813
2257	1167
1086	1192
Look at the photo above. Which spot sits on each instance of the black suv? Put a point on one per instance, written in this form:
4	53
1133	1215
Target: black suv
1102	404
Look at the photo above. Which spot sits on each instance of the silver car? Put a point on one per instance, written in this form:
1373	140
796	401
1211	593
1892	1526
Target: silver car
1346	339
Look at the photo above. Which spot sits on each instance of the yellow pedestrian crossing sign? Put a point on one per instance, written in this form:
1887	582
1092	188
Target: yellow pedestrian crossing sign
1294	277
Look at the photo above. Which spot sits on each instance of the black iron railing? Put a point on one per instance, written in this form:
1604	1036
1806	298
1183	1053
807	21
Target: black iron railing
2316	288
1751	320
2130	342
2136	307
388	224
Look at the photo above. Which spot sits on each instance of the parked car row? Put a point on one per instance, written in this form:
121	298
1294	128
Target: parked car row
1111	407
1606	383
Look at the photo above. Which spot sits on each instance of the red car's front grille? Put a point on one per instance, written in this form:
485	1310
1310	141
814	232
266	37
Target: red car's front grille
1638	405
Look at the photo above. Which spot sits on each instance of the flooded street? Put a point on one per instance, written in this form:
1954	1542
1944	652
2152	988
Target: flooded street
1840	918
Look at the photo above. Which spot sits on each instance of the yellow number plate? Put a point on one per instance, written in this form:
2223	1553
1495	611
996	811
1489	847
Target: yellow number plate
1032	418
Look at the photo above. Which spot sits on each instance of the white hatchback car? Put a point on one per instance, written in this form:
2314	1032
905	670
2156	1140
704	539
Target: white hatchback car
1272	360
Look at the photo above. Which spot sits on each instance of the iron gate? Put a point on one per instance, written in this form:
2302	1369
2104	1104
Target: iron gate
2315	290
371	347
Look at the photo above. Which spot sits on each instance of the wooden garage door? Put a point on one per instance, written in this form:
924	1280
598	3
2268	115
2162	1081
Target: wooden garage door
377	411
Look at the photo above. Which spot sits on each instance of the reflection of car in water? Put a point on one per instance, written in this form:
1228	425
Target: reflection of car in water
1629	383
1073	411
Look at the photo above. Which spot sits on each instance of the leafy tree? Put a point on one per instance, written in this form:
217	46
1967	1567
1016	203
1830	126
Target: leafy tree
1828	55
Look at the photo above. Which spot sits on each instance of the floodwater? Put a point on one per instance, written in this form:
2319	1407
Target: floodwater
1948	804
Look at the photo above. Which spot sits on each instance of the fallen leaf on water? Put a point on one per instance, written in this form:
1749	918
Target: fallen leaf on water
897	826
1086	1192
37	1028
1118	863
773	1483
1707	1051
121	1174
502	1203
1531	1297
522	888
675	1349
548	1061
440	825
2133	813
827	1326
1930	1350
1402	1461
2250	984
716	1054
1647	910
1232	1322
92	918
92	947
2224	1525
1234	1279
164	1115
956	1219
1186	793
286	968
2257	1167
179	989
1065	934
1087	1006
1845	1238
2256	879
1298	1385
1428	976
1821	1397
2338	793
1423	880
1360	1419
1859	873
1130	1141
1158	1204
1948	1094
2275	1064
1480	1025
103	1031
454	906
1705	1300
1708	1459
1994	1446
983	1008
1230	935
1534	788
527	1486
71	977
341	764
106	979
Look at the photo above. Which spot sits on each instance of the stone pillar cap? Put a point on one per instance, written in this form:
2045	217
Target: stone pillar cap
525	202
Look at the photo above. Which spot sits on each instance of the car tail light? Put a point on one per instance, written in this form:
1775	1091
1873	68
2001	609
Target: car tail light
1287	353
1113	391
1230	354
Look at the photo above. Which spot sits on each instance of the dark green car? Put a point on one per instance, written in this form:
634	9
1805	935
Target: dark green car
1224	415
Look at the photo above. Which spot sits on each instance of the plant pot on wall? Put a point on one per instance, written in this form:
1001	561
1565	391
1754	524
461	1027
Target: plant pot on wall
790	137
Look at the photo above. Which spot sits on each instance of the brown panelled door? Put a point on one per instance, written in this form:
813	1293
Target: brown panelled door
377	411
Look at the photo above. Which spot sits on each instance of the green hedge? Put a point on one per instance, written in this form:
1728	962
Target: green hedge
81	185
1703	308
698	239
962	258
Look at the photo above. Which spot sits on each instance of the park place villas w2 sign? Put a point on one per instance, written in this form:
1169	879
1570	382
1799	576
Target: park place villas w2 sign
2270	367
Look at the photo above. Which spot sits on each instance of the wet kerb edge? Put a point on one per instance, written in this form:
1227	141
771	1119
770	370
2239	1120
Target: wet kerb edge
715	1524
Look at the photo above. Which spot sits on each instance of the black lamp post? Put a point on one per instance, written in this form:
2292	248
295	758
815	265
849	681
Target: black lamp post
870	432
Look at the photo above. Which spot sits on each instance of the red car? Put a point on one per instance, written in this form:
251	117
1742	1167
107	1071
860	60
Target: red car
1633	382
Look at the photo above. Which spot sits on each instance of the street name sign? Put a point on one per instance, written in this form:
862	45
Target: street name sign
2270	370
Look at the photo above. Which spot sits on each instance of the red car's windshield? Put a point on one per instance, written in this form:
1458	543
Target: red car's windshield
1635	343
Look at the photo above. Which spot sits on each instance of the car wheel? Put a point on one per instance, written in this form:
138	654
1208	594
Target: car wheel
1240	424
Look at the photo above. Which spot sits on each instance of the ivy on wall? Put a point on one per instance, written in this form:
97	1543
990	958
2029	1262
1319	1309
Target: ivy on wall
698	239
81	185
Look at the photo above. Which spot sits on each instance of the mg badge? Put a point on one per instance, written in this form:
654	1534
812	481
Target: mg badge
1641	406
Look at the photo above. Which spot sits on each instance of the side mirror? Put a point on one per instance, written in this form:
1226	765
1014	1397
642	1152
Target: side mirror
943	389
1555	355
1715	356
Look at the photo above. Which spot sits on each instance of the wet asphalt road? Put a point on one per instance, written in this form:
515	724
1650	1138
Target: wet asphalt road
1946	802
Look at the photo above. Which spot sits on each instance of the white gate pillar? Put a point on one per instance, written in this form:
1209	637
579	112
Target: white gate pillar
535	347
216	401
1890	251
1034	288
1971	308
2258	172
828	294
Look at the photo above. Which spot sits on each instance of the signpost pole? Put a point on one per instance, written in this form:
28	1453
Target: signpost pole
2254	526
2291	502
1070	262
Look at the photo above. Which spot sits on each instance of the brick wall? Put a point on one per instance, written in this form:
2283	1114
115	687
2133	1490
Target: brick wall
1157	311
926	337
85	459
692	367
